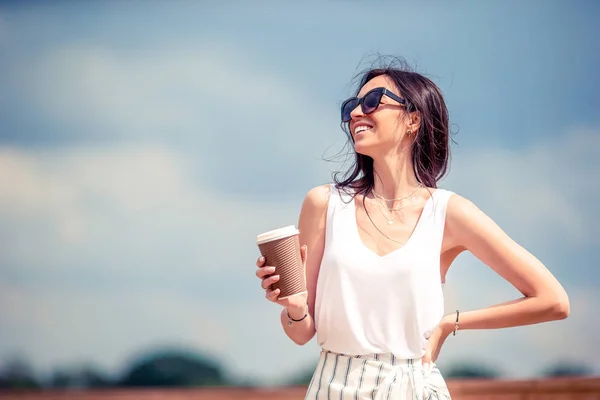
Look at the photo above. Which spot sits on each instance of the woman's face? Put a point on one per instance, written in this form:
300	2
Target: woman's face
385	127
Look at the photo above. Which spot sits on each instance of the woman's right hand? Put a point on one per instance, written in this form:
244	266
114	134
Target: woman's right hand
267	277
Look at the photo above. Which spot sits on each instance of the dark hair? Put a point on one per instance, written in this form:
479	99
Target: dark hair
431	147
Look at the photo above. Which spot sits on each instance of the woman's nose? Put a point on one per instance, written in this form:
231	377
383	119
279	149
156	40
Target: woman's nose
357	112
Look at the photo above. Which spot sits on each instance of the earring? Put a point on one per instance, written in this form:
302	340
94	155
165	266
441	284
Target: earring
408	132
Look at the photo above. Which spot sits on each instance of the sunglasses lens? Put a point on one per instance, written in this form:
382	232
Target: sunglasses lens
347	108
371	101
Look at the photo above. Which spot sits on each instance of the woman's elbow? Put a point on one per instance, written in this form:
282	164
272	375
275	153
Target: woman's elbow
560	306
301	341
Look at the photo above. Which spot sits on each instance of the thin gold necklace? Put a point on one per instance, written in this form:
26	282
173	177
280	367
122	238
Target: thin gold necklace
398	198
390	219
389	216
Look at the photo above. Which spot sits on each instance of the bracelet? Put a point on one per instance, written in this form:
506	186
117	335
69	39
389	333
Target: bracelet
292	320
455	324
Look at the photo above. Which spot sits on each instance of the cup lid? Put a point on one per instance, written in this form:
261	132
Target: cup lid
278	233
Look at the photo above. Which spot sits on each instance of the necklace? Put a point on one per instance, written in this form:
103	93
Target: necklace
376	227
389	216
380	199
398	198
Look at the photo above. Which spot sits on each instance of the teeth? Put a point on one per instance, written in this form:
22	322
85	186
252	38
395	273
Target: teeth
361	128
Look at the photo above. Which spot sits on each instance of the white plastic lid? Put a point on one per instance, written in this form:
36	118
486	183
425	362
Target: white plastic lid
275	234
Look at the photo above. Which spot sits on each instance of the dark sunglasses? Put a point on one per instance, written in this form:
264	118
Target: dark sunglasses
368	103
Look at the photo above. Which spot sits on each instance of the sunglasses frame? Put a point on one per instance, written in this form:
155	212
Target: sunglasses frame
380	90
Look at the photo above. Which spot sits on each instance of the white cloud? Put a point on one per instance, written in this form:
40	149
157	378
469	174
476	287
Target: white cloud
120	230
81	202
170	90
542	190
224	107
57	328
148	92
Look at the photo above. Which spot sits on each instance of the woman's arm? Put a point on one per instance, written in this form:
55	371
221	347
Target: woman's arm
544	299
311	224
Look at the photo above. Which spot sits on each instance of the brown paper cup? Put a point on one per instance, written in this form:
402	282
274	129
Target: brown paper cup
281	249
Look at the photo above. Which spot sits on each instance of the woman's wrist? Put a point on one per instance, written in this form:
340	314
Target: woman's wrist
297	311
447	324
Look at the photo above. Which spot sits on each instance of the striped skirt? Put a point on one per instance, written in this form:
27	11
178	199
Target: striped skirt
374	377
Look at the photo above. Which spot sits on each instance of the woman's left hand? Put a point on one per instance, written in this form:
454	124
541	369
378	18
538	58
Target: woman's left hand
436	340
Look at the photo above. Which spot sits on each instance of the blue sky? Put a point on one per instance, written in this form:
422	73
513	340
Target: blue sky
144	145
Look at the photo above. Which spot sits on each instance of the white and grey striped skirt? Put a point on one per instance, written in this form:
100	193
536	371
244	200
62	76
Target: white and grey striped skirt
374	377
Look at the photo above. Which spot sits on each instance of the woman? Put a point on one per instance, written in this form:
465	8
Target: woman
377	247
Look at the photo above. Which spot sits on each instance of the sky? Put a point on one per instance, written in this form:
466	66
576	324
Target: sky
143	146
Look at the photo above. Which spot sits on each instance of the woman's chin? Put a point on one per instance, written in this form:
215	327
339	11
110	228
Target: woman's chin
362	148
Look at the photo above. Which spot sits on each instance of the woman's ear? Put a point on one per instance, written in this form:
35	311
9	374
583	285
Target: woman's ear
415	121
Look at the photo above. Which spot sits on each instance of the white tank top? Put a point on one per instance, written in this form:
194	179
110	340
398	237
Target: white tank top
366	303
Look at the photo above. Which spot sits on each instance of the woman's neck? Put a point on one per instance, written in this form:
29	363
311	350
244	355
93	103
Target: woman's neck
394	176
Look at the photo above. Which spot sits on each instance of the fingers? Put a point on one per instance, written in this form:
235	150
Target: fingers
267	282
426	360
272	294
264	272
303	253
427	367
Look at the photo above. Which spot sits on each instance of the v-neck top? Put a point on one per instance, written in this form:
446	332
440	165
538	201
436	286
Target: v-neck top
367	303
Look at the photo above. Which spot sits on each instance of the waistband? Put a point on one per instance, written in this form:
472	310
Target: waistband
386	358
409	374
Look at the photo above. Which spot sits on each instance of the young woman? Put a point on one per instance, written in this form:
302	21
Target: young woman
377	247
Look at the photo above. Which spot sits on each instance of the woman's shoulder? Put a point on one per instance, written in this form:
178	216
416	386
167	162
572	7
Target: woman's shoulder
462	211
315	204
440	191
318	196
457	203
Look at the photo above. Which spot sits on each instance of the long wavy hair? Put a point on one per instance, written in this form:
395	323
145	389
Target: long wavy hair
430	149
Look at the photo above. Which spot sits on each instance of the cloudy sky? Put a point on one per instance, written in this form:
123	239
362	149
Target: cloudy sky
143	147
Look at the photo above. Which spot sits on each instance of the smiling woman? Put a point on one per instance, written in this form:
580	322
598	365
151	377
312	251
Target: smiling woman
378	243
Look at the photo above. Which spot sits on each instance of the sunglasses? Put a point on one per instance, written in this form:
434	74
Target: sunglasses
368	103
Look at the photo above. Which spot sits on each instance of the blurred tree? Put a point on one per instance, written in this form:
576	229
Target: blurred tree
173	368
561	369
60	379
17	374
79	377
470	370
